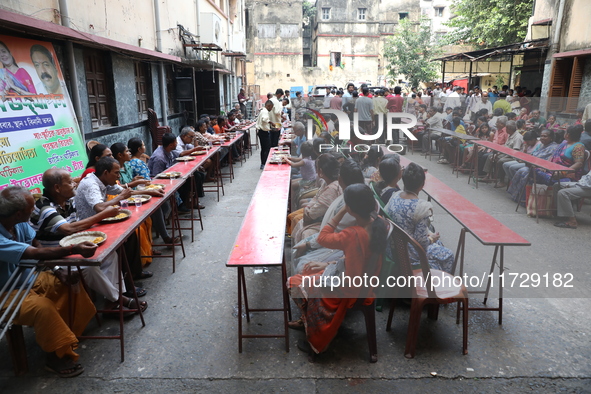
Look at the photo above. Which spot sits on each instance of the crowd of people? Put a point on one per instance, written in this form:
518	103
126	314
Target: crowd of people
31	228
334	217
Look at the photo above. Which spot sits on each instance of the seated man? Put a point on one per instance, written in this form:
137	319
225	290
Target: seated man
163	158
54	217
91	198
41	308
565	194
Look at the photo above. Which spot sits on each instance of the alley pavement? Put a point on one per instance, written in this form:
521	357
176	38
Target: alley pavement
190	341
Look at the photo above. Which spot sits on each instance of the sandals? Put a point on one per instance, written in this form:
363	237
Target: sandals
64	368
564	225
144	275
110	314
139	291
142	307
296	325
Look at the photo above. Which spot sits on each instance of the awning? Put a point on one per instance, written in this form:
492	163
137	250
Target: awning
37	27
206	65
511	49
234	54
582	52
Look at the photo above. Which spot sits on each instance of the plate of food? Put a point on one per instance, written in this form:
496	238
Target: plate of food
169	175
217	142
199	153
96	237
185	158
155	186
123	215
143	197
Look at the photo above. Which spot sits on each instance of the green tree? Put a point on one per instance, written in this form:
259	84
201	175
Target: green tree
410	52
308	11
489	23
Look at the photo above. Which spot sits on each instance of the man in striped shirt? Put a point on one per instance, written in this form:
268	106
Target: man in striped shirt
54	217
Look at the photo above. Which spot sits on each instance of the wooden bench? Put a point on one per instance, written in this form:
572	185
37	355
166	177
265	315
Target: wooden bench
485	228
260	243
532	161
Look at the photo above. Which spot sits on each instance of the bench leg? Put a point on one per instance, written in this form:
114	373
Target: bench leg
18	351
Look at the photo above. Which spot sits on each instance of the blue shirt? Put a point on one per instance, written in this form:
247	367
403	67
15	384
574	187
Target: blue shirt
298	141
12	248
161	160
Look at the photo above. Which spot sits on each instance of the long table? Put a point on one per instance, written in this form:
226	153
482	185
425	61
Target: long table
117	233
260	243
459	136
532	161
187	170
485	228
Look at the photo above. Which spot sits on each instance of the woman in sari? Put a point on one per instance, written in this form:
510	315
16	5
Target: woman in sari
519	175
131	178
570	153
363	245
12	77
413	216
312	214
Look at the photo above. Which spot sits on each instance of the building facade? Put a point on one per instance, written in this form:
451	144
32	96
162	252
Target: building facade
567	69
343	42
180	58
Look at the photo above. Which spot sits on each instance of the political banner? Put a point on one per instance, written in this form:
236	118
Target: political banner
38	126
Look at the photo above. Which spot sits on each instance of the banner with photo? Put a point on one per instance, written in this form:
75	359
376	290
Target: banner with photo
38	126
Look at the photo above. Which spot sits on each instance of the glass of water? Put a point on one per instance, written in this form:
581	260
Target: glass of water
138	201
124	204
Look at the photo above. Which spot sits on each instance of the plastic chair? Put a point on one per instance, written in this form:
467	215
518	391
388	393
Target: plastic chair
156	131
425	293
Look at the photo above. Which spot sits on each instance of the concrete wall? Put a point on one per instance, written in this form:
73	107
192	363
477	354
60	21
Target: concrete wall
576	29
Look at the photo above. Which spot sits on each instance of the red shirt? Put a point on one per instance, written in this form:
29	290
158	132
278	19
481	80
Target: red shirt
395	103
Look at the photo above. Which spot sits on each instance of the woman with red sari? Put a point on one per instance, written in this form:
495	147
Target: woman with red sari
324	310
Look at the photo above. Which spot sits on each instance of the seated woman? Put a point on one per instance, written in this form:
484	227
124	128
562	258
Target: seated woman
570	153
308	249
519	175
96	153
413	216
131	170
307	167
312	214
370	162
482	131
376	177
391	174
363	245
449	144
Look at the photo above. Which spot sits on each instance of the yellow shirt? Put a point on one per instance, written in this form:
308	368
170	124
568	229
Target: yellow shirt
460	130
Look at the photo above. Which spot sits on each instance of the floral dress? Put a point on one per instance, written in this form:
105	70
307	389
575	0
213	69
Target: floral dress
412	216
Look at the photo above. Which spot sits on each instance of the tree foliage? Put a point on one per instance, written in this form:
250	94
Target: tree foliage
489	23
410	52
308	11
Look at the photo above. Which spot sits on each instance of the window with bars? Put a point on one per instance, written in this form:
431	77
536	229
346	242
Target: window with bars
565	84
439	11
97	86
361	13
325	13
402	15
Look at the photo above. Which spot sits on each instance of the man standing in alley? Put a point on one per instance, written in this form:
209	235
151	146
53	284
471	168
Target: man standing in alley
263	126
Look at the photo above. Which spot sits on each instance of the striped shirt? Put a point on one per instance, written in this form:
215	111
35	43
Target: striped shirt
47	218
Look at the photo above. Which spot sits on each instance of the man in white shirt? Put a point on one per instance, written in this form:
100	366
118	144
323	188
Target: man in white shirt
453	100
327	98
263	126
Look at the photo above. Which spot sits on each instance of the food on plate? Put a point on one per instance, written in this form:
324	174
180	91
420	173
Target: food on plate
98	240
